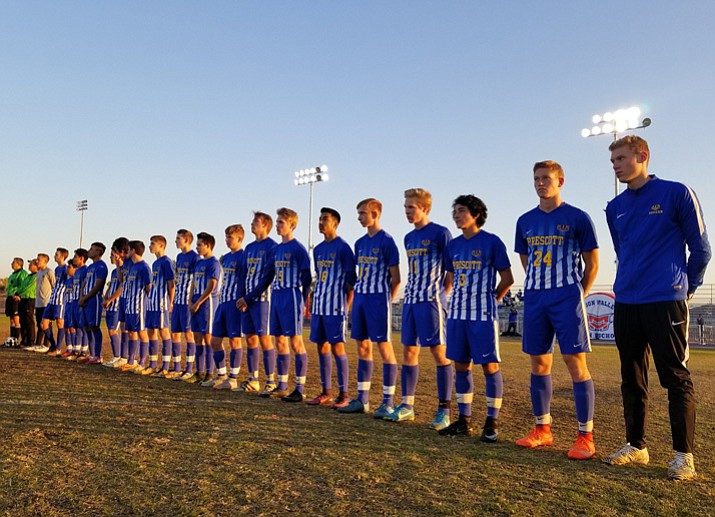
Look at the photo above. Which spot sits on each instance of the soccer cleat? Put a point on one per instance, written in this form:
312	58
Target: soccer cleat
227	384
294	396
248	386
148	371
463	425
401	414
355	406
65	355
159	373
138	369
628	454
538	436
321	400
341	401
184	376
192	378
267	390
84	358
583	448
681	467
29	348
489	431
111	362
441	420
122	361
209	381
73	357
172	376
127	367
95	360
383	410
41	349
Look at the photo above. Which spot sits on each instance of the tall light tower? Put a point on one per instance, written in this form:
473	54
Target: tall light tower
615	123
310	177
81	208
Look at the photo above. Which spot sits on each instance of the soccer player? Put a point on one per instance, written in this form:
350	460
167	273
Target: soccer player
136	290
12	305
45	283
228	316
159	302
91	300
334	279
55	309
290	289
204	301
552	240
120	248
71	297
472	261
110	301
181	315
651	224
255	305
377	283
424	310
25	298
81	346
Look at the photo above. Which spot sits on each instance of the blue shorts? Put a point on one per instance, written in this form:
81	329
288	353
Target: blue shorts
287	312
134	322
328	328
112	319
372	318
473	341
79	319
180	319
70	315
423	324
121	311
202	321
227	321
255	319
551	314
54	312
93	312
157	319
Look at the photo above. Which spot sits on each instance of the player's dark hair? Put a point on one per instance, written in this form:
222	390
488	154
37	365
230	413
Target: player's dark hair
475	206
120	245
101	246
186	234
138	247
81	252
64	252
207	239
20	261
331	211
44	256
266	218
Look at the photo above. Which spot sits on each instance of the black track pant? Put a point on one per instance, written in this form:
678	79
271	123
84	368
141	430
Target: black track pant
664	327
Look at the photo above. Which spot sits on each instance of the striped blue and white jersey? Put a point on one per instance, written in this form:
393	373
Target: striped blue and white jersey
80	275
257	258
162	272
334	271
289	260
206	269
234	276
72	289
475	263
111	289
185	266
374	256
135	289
126	267
57	296
425	258
553	243
95	271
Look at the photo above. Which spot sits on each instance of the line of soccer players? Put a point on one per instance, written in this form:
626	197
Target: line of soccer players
261	292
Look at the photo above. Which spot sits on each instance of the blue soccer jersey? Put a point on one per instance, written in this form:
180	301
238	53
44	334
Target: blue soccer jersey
289	260
111	289
425	257
374	256
162	272
57	296
72	286
475	263
135	289
125	268
95	271
206	269
256	257
79	278
234	282
185	266
553	242
334	271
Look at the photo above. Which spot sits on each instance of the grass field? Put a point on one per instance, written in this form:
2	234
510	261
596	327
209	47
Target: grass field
85	440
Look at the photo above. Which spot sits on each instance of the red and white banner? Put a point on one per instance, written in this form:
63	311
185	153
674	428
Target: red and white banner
599	309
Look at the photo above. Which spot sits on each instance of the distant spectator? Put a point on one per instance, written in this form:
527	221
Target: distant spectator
511	329
520	296
12	304
25	297
701	329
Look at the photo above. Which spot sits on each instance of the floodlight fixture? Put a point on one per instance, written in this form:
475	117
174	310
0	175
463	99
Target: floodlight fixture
81	207
310	177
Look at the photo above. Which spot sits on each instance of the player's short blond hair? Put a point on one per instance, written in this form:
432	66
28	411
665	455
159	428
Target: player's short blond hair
265	218
235	229
423	197
186	234
370	204
290	216
551	166
633	142
43	256
159	239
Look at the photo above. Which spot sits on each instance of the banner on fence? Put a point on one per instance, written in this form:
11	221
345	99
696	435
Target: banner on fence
599	309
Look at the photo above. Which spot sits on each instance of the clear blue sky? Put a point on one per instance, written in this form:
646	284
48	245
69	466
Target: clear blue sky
192	114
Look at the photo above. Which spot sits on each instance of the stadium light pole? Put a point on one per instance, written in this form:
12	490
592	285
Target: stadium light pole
615	123
81	208
310	177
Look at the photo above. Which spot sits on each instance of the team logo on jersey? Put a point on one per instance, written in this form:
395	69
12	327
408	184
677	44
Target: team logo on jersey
425	242
563	228
655	209
476	253
262	252
332	255
375	251
287	256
